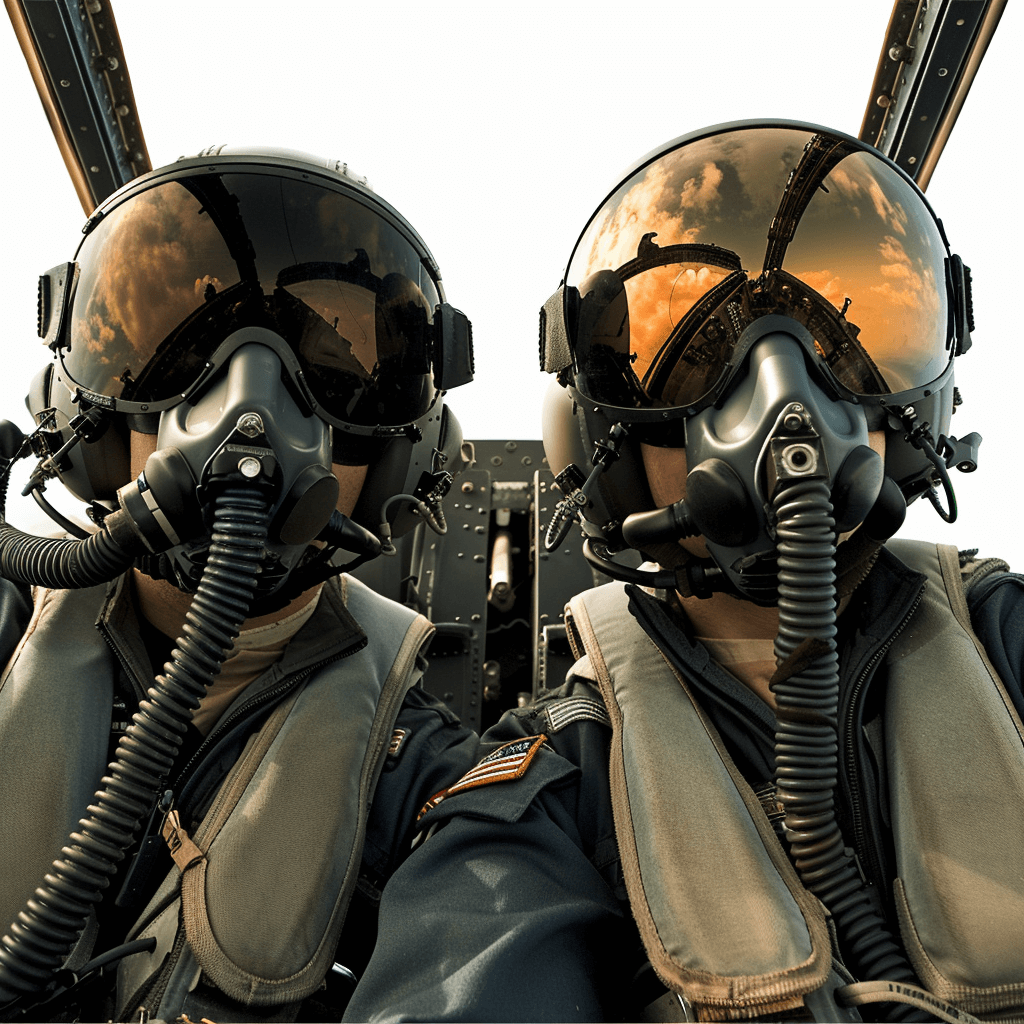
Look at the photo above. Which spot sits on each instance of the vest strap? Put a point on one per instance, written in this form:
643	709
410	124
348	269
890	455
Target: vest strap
955	760
723	917
866	993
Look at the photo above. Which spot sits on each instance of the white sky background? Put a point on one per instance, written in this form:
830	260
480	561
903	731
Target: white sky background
498	128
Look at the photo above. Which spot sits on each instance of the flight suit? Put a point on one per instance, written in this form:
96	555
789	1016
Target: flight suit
548	884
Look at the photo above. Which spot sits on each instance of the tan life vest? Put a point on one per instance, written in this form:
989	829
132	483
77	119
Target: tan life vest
56	693
723	916
260	910
955	757
259	896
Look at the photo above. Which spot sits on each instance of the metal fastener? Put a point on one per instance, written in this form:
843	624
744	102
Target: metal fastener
250	424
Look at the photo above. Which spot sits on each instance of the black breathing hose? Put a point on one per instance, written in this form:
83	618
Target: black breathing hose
806	740
45	931
63	563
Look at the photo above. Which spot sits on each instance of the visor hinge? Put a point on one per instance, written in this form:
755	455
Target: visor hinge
91	423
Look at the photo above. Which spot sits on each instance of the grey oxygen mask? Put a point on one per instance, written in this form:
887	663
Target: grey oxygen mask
247	427
775	426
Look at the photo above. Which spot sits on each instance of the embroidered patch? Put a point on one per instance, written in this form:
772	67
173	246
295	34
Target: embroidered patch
432	803
575	709
398	737
505	764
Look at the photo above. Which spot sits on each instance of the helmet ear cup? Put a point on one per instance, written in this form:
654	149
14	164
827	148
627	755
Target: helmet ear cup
560	429
93	470
401	466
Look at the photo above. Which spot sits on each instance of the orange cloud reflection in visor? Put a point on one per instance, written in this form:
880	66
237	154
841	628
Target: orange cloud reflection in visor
724	229
170	272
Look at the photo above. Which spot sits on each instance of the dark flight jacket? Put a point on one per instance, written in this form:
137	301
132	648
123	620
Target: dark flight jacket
522	877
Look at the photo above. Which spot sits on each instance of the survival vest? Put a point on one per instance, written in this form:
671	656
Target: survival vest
258	895
722	913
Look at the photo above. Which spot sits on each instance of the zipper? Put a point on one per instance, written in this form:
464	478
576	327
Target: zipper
137	683
866	853
151	1000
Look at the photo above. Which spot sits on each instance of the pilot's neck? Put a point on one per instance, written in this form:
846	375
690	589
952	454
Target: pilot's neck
165	606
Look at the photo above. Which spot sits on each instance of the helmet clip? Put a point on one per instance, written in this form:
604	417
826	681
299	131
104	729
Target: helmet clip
962	453
577	490
948	451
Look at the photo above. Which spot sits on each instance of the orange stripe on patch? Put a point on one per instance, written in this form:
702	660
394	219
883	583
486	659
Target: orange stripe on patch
508	762
505	764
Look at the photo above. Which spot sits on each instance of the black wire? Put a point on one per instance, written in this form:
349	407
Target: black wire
947	485
118	953
58	517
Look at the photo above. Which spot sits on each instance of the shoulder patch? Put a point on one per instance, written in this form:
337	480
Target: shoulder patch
510	761
398	738
561	713
397	743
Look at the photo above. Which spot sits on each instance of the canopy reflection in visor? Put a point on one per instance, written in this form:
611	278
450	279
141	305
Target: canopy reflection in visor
170	272
718	231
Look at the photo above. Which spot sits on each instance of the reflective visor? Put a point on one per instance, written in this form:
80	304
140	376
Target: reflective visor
169	273
721	230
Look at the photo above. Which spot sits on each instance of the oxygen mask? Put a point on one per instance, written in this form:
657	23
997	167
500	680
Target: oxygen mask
249	426
776	427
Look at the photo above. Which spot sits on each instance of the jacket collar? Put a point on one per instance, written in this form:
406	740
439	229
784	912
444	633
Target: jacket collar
879	606
330	633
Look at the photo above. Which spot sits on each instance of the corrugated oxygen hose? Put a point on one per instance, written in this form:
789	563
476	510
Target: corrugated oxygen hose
45	931
806	741
61	563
